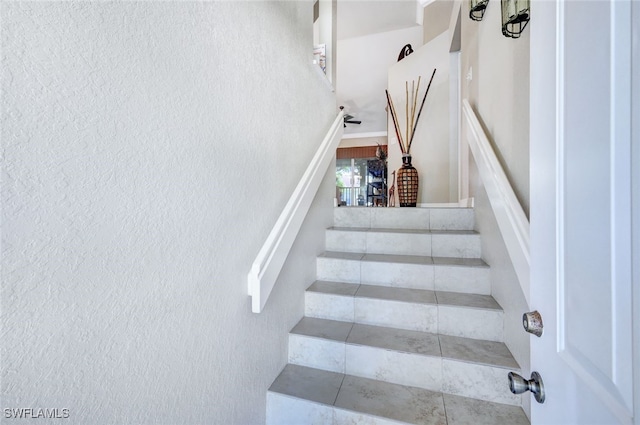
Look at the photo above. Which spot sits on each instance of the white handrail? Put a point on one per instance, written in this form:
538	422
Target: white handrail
512	221
271	257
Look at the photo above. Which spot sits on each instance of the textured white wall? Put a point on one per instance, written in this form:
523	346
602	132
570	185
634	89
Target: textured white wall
431	144
148	149
499	91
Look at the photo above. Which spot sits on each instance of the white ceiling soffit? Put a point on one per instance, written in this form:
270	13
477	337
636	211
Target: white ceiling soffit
420	5
357	18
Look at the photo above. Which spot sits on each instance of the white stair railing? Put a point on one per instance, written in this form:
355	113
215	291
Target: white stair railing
512	221
271	257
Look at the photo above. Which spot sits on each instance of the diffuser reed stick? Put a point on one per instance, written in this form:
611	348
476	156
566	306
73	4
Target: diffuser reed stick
413	109
420	111
395	120
406	109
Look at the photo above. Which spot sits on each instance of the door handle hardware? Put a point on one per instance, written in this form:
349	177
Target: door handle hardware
519	385
532	323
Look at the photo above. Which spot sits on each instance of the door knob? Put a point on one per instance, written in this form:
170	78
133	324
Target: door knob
532	322
519	385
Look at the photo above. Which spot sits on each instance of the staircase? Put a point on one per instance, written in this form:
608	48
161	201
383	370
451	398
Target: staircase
399	328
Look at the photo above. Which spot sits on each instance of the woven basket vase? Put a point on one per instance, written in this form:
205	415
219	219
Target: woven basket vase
407	183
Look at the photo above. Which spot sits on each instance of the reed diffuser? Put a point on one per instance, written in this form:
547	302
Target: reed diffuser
407	174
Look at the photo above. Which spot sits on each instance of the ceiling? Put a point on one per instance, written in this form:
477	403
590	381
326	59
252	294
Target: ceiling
357	18
370	36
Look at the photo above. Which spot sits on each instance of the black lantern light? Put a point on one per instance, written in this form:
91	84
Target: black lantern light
477	9
515	17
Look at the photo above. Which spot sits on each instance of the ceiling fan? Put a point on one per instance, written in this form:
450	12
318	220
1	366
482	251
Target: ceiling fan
348	118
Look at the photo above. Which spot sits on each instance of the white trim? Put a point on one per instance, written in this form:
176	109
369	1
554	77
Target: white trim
271	257
635	208
442	205
509	214
363	135
425	3
454	125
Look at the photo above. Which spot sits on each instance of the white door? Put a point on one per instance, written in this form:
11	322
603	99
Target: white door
581	210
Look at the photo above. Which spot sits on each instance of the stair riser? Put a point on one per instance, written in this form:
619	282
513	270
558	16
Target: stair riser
450	376
396	314
447	320
437	245
473	280
457	246
317	353
286	410
328	306
378	242
395	367
416	276
462	279
405	218
471	323
478	381
338	270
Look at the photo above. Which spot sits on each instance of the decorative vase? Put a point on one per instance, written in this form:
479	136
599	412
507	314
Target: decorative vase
407	183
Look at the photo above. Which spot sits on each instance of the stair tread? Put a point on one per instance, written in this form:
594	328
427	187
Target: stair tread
334	288
421	296
460	299
397	402
406	341
342	255
323	328
468	350
394	258
405	259
477	351
389	293
403	231
308	383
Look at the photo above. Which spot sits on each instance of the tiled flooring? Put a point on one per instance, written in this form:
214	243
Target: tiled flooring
385	400
405	259
399	328
413	295
408	341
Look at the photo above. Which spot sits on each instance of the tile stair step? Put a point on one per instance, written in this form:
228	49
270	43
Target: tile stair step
302	395
425	360
437	243
453	218
447	313
469	275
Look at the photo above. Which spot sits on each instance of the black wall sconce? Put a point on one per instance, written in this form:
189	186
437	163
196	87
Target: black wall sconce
477	9
515	17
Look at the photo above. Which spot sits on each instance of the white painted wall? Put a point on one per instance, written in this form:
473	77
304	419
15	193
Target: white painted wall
327	35
363	65
499	91
148	150
504	281
431	145
436	19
